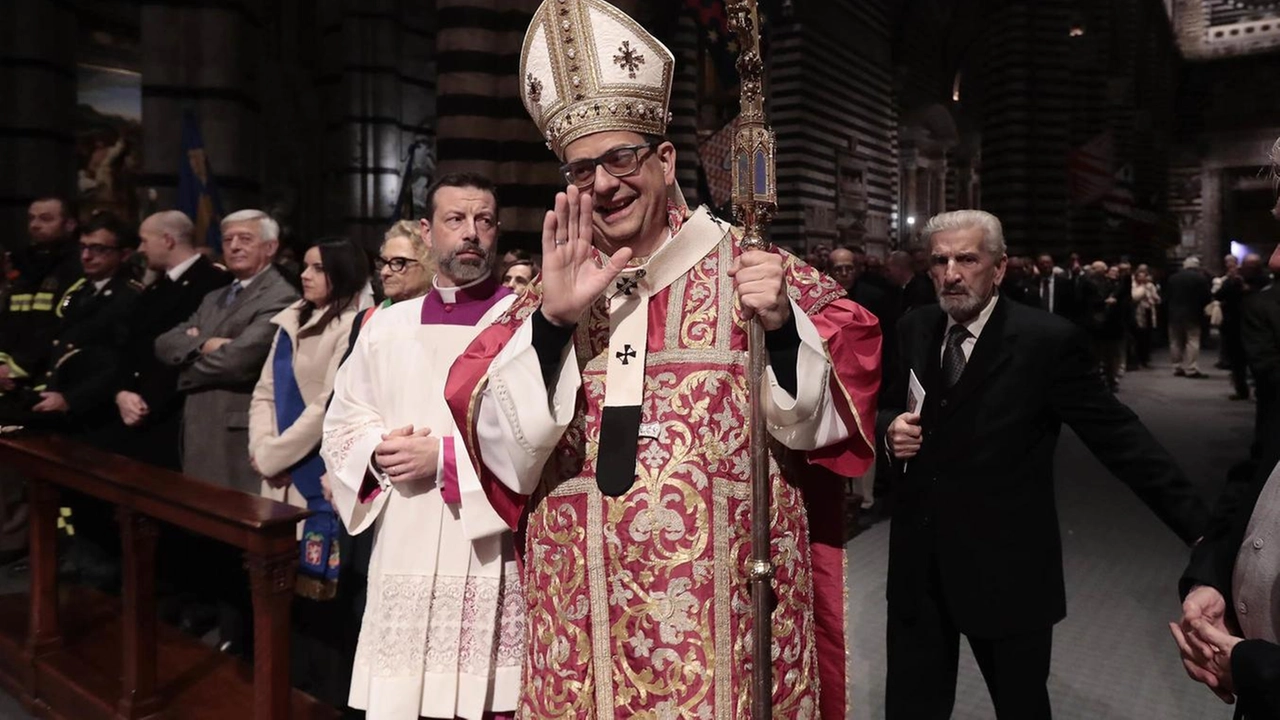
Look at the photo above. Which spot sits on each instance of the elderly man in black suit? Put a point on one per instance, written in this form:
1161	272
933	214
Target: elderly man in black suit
974	545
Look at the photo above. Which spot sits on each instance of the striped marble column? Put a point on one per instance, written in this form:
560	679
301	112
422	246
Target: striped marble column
483	126
205	58
1025	130
831	81
683	129
378	97
38	93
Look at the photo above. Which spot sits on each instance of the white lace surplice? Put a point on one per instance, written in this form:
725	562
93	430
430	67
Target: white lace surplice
443	629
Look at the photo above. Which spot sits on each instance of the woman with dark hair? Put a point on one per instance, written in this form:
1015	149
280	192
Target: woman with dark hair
286	418
286	414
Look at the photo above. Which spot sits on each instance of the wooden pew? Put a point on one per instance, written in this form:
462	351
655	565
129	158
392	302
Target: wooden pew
77	654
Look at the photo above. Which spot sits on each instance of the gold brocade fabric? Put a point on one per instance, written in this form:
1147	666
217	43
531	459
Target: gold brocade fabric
638	605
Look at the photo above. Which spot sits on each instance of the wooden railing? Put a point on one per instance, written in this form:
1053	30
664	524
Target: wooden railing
56	652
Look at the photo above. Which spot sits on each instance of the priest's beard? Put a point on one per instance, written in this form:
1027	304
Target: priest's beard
463	270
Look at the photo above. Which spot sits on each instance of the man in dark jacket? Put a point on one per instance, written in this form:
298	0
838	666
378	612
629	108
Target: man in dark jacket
914	289
147	421
1236	287
1187	292
46	269
1100	317
974	545
78	365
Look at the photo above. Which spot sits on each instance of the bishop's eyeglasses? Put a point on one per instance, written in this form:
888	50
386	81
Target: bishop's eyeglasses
397	264
618	162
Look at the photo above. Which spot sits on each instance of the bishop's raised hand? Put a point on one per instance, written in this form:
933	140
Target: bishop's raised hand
571	277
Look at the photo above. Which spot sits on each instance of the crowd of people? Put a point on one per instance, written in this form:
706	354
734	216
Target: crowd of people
1126	310
529	477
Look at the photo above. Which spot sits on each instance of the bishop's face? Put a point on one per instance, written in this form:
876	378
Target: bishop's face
630	211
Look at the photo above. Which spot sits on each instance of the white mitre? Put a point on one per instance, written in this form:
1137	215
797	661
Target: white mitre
587	67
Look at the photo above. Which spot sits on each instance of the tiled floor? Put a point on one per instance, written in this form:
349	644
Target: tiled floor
1112	656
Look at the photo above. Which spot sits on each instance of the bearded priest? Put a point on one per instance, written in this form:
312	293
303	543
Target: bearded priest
443	628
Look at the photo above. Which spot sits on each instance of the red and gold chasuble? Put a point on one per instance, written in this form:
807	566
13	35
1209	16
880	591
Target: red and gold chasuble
638	605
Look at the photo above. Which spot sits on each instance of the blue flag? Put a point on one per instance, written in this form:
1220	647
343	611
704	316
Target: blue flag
197	193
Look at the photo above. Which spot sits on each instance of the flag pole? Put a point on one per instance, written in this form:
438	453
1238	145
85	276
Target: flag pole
755	199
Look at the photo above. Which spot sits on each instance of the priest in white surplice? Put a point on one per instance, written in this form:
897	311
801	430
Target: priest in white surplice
443	631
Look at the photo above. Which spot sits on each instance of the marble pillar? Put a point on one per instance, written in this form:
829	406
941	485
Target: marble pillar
38	94
205	59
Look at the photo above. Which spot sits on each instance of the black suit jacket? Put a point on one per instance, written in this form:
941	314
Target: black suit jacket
85	354
918	292
1065	290
1186	292
163	305
1260	335
978	499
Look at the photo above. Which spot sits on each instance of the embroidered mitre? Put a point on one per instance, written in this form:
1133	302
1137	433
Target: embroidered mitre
587	67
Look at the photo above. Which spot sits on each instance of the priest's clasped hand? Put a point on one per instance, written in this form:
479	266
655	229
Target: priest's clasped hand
758	278
406	454
571	277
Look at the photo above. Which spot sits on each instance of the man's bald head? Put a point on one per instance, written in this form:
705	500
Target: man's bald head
175	223
842	266
167	239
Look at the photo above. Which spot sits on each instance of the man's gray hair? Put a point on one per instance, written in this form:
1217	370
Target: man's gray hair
175	223
992	231
269	229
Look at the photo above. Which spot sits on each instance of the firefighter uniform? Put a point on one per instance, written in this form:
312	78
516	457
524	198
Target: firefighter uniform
31	315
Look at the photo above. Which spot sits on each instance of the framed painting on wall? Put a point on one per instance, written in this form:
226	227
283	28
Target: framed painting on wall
108	131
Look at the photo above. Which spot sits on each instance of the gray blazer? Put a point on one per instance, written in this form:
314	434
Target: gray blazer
215	419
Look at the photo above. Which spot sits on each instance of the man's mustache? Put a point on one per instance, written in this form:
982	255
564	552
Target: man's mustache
471	248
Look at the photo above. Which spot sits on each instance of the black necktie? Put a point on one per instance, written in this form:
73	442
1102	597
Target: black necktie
953	359
1045	294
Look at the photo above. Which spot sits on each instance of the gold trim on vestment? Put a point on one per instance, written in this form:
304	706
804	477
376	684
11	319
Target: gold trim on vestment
602	662
853	408
725	320
724	589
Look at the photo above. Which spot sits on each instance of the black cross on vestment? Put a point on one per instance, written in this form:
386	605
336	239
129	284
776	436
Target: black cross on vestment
627	285
625	354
